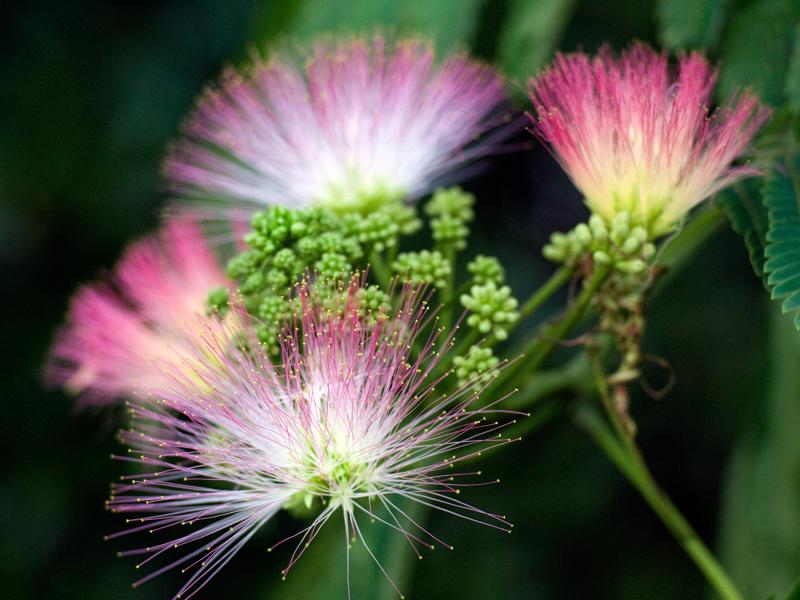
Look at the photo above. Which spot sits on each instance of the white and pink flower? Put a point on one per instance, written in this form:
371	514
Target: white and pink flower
350	423
118	330
635	137
365	122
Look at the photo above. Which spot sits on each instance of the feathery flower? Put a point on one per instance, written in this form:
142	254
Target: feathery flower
116	331
366	122
634	137
349	423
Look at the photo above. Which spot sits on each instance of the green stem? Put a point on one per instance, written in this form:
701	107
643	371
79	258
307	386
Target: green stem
539	348
463	345
379	268
681	248
448	292
628	459
540	296
574	376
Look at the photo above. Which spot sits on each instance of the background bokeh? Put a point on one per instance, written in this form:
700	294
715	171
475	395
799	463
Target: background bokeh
91	93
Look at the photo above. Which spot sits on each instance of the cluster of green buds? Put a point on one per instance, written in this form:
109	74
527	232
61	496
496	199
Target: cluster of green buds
489	301
450	211
486	269
381	229
285	245
619	243
622	247
373	302
477	368
425	267
492	308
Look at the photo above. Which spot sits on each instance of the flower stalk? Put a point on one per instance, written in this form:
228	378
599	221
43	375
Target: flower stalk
621	448
538	349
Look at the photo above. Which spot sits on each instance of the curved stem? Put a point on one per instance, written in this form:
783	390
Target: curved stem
447	295
540	296
679	249
621	448
540	346
379	268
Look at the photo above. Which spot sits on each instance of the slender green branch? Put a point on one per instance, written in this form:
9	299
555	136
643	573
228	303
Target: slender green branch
540	296
540	346
679	249
621	449
447	295
608	404
391	254
379	268
574	376
471	337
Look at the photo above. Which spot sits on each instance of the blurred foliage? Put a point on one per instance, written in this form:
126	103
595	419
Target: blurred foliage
756	46
762	501
303	19
690	23
748	217
783	242
760	49
92	92
531	33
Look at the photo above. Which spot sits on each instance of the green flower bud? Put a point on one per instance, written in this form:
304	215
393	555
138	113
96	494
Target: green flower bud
450	230
334	265
485	269
243	264
478	367
453	202
372	301
583	234
217	301
632	266
276	279
423	267
253	283
272	310
286	260
492	307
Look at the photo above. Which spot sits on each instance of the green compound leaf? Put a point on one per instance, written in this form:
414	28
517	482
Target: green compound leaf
794	593
760	518
756	48
449	22
748	216
531	32
782	251
793	75
322	570
690	23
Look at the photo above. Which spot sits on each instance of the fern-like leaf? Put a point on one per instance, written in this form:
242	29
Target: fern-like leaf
782	251
748	216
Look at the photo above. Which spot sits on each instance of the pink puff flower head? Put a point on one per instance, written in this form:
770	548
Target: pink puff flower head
118	330
636	137
350	423
365	122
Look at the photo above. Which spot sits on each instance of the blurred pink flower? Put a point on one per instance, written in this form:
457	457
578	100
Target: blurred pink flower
117	331
366	122
634	137
349	423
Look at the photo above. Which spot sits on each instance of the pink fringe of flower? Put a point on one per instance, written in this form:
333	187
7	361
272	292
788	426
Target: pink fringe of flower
633	136
350	417
364	117
117	330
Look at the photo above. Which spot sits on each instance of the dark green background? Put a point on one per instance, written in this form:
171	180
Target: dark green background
90	94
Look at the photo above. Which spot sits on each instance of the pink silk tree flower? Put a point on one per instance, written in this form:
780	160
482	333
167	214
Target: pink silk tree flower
117	331
636	137
364	123
349	423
